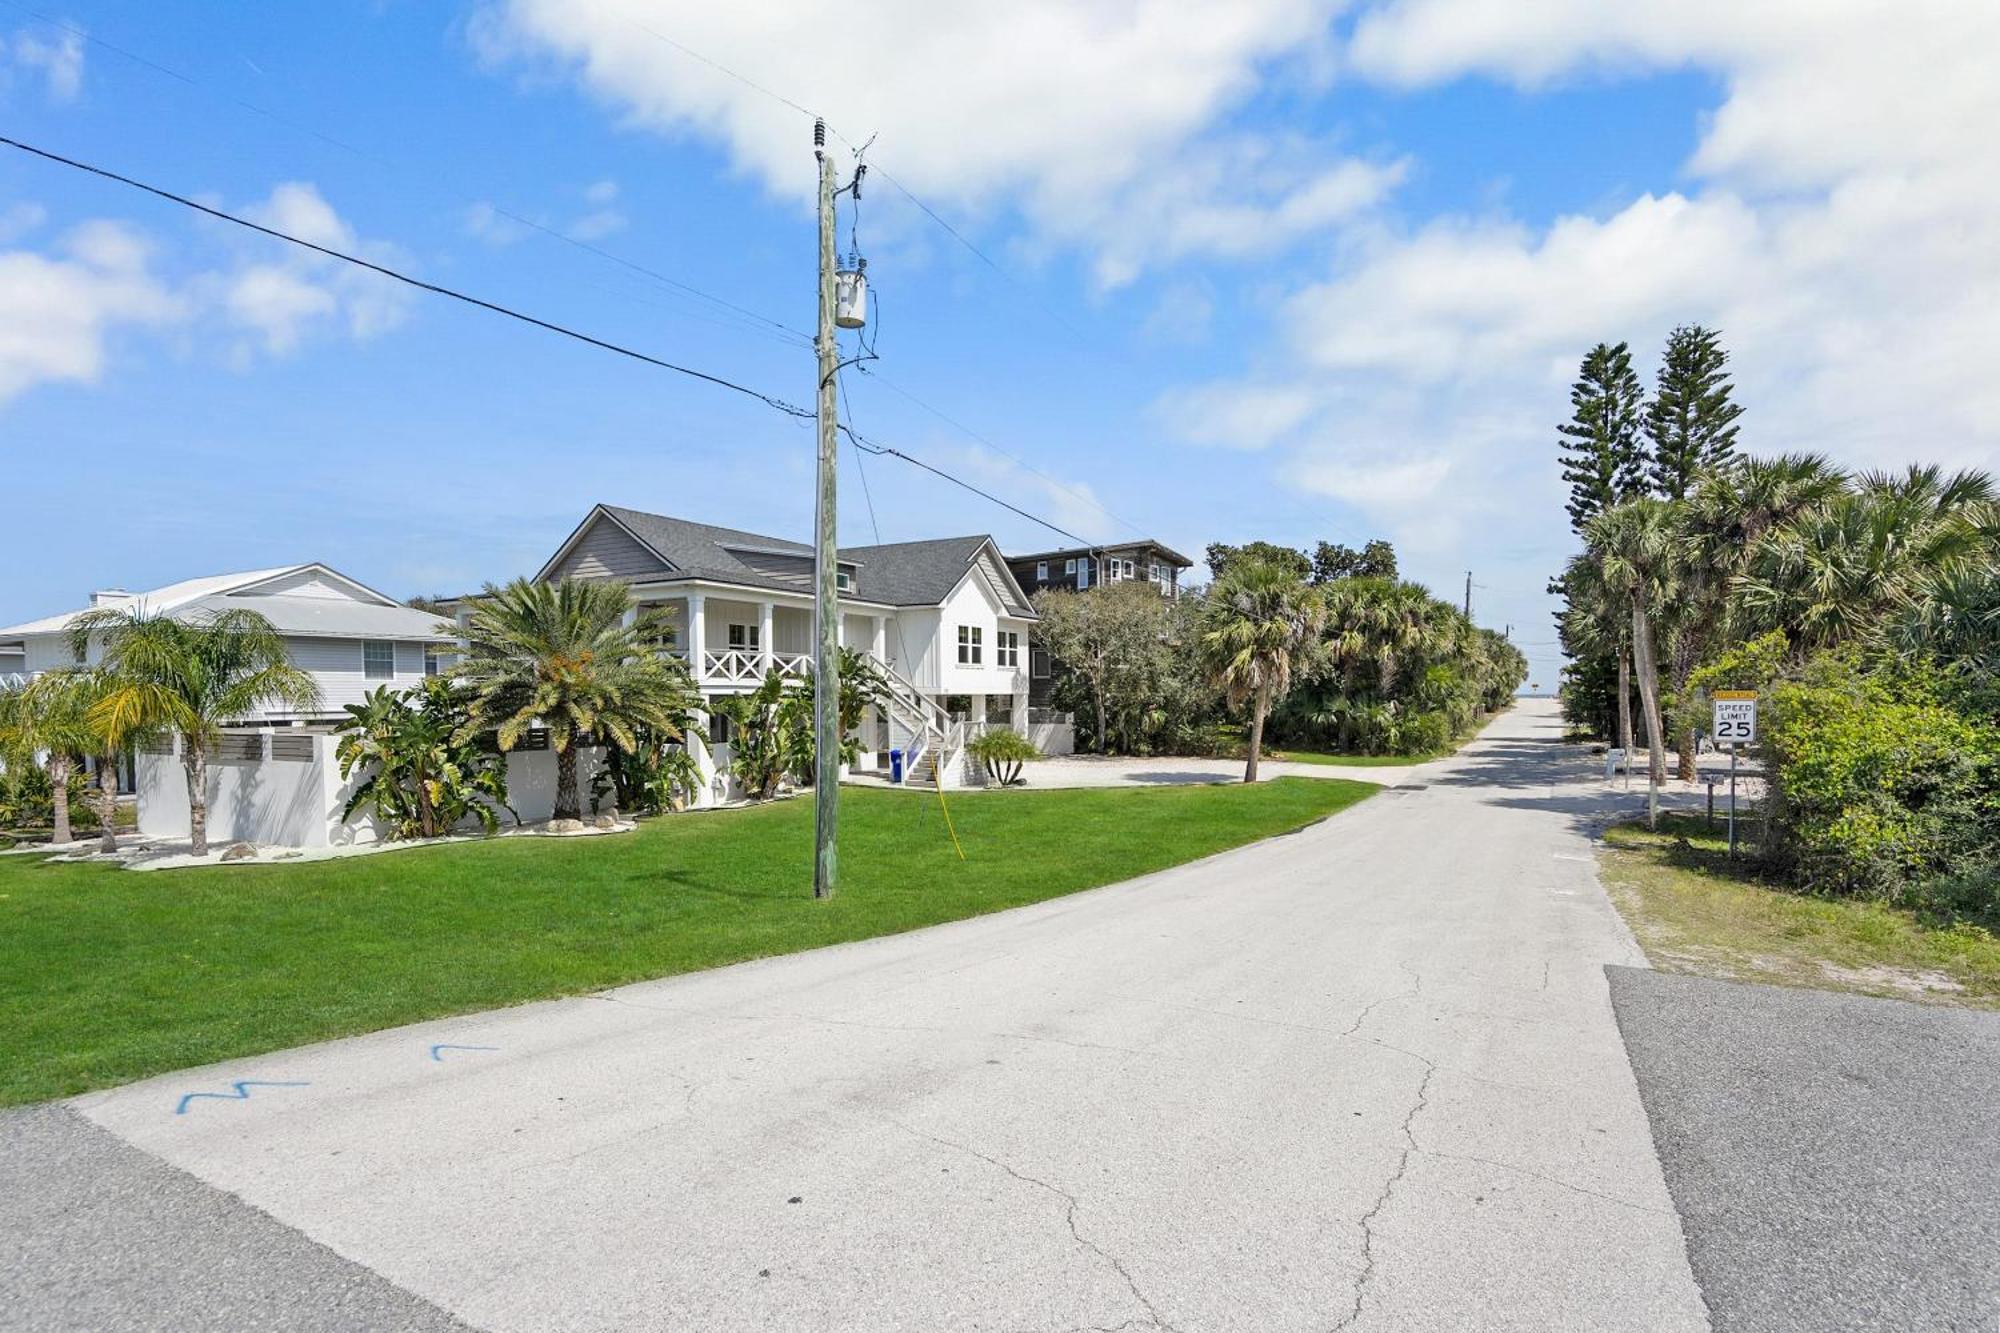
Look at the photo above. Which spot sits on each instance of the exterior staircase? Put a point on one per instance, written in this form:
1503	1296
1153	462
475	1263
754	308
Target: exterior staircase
936	742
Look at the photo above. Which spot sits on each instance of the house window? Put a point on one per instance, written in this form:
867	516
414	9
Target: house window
1038	663
433	660
720	729
1007	649
745	636
378	659
969	637
1129	569
1083	573
1069	566
843	580
1041	571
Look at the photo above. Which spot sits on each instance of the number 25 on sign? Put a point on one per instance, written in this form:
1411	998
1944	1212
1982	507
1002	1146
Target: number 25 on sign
1735	720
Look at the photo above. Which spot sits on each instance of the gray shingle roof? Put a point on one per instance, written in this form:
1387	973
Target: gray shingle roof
911	573
895	574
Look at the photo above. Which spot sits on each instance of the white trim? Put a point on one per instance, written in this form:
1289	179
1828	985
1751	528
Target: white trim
596	512
242	588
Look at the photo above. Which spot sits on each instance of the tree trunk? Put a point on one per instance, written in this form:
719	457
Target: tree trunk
1258	707
1097	690
426	812
107	803
567	804
1684	730
58	771
1625	702
1649	700
195	763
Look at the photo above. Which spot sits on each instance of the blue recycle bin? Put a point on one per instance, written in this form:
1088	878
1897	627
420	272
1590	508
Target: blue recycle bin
896	765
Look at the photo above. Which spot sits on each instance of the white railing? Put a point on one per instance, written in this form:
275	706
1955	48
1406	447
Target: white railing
14	680
749	666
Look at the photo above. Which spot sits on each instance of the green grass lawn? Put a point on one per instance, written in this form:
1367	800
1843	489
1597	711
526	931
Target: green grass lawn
1348	760
1695	911
109	975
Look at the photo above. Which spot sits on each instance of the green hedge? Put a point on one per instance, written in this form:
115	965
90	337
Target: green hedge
1884	783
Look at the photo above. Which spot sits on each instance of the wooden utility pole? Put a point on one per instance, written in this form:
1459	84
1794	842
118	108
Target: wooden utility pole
826	600
1468	594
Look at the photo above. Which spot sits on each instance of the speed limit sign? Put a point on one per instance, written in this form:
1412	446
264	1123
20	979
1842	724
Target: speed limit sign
1735	717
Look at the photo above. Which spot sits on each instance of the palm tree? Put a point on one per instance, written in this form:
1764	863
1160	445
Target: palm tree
1598	621
1636	548
188	677
1262	620
1731	511
1852	568
47	721
566	655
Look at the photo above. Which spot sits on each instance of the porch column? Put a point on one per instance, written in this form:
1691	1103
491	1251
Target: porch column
696	744
880	645
697	634
767	651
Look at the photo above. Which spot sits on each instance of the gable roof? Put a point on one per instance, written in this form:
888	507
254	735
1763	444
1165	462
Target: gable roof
372	614
921	573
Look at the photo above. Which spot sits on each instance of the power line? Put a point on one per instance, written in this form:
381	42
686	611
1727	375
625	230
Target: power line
387	272
860	442
900	188
301	128
960	426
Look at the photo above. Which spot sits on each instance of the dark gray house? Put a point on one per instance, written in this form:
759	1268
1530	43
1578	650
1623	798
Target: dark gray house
1082	567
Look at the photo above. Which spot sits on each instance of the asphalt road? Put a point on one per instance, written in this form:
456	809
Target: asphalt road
1835	1158
1363	1077
97	1236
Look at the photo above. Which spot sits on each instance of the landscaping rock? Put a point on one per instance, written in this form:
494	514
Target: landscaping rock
241	851
565	826
605	822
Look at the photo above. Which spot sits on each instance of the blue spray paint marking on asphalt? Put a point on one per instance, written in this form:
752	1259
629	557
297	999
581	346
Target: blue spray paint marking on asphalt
453	1046
240	1092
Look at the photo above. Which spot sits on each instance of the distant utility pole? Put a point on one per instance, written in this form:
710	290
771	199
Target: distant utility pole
1468	594
826	600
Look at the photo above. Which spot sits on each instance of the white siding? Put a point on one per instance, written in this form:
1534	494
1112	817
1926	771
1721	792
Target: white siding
336	665
607	551
307	583
975	602
791	630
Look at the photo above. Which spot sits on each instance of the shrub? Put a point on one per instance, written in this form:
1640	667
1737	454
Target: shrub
27	799
1880	784
1002	752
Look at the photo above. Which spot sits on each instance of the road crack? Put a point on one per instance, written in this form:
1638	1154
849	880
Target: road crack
1070	1206
1366	1276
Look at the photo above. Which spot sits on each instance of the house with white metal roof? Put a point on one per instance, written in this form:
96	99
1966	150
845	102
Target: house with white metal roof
350	637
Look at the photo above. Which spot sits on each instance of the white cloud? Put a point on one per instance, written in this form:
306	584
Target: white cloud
1095	122
18	219
1839	221
1235	416
58	312
283	297
57	57
601	217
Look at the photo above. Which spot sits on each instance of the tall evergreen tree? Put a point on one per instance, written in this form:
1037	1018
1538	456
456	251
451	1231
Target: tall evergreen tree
1692	420
1603	451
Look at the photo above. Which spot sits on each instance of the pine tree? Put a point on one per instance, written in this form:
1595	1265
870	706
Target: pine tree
1692	421
1603	455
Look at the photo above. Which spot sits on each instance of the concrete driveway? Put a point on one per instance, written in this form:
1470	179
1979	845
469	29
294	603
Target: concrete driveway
1363	1077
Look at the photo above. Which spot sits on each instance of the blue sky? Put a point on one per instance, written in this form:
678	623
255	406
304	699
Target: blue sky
1294	271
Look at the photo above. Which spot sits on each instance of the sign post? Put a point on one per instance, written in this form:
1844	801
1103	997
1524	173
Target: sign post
1734	724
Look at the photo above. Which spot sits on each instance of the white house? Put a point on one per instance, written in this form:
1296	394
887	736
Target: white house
945	620
272	779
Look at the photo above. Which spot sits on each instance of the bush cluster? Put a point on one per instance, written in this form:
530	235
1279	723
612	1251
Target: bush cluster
1885	783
